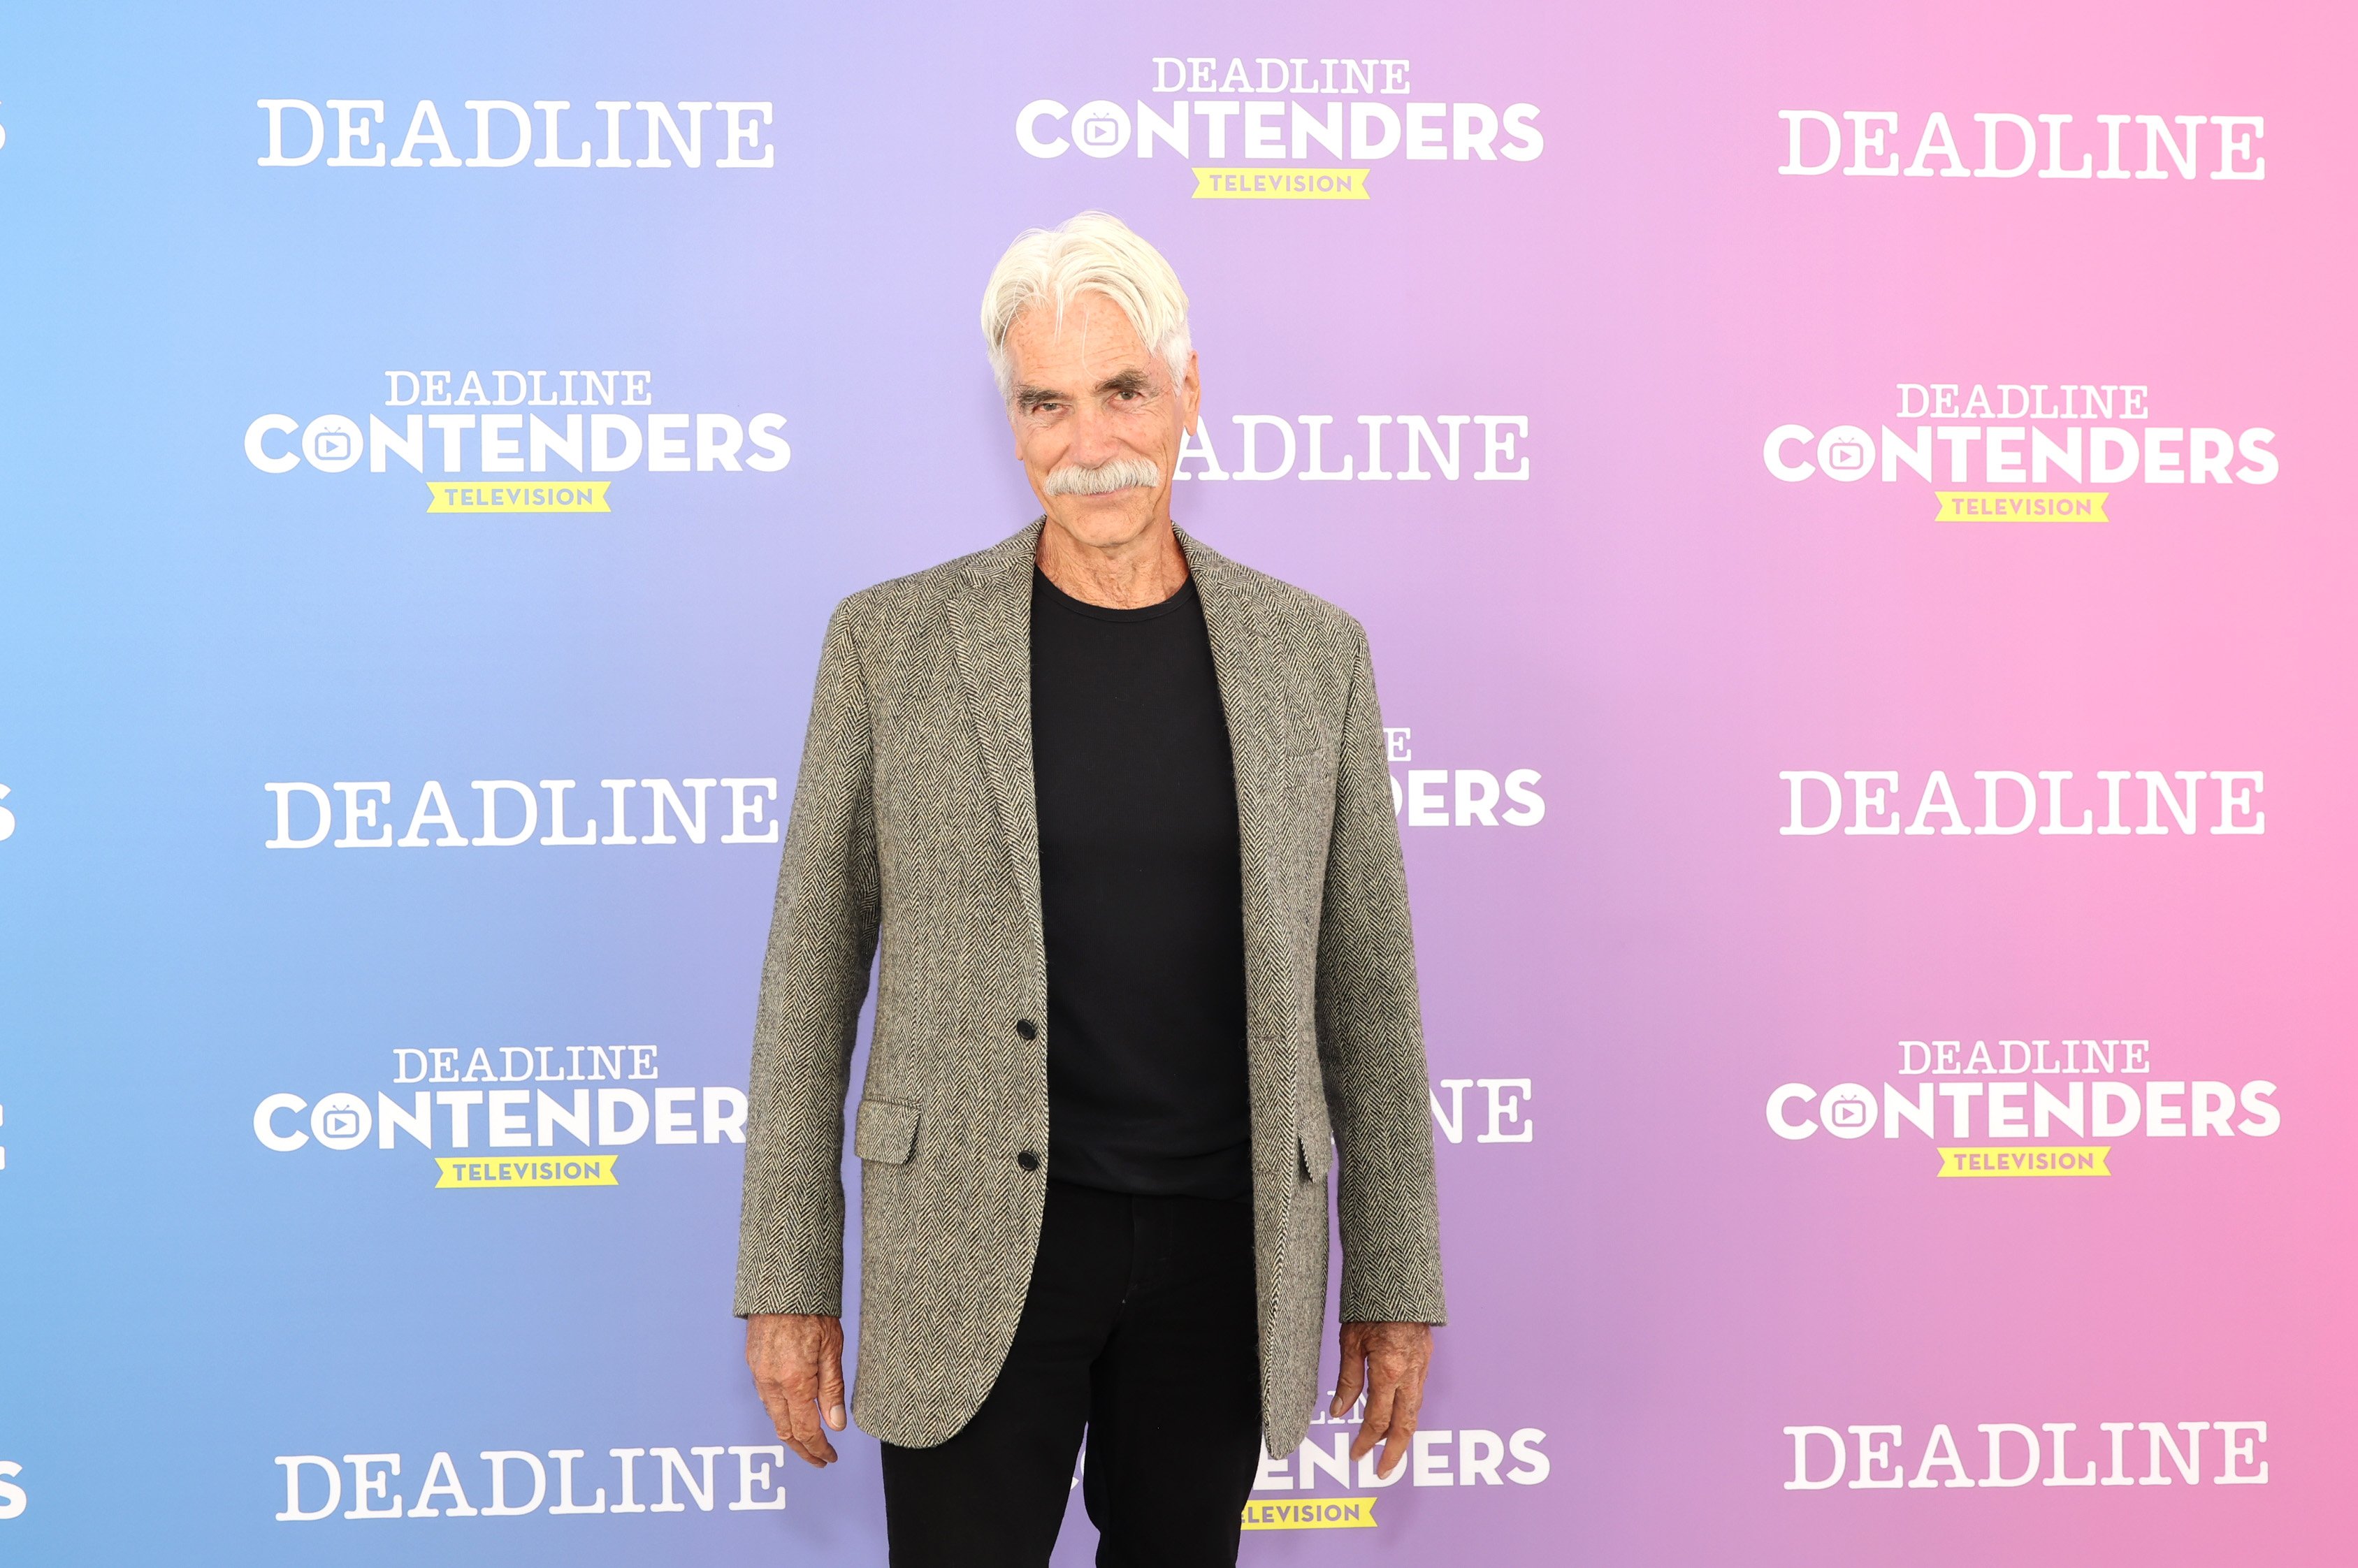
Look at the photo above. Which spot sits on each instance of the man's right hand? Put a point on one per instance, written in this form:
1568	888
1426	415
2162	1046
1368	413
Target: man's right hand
797	1364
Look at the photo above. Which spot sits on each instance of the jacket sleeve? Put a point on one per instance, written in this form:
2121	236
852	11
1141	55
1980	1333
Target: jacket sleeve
814	977
1371	1040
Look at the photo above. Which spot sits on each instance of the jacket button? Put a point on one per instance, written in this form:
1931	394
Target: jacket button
1028	1160
1028	1030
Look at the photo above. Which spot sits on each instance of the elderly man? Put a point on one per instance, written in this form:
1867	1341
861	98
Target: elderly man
1116	807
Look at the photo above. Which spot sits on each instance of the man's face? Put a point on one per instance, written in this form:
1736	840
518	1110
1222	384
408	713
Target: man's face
1094	409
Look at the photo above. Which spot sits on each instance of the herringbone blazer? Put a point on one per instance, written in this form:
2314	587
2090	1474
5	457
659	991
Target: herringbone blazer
913	819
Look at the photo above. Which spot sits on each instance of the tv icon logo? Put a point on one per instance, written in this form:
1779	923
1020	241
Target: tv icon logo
1100	129
1847	1110
331	442
1846	453
341	1120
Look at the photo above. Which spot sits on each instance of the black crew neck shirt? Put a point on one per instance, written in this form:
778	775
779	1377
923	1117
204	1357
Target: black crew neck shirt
1141	899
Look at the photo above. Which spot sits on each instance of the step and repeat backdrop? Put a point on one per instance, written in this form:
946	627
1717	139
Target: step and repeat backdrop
1848	509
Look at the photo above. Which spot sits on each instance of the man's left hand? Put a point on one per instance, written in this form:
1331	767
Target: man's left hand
1391	1358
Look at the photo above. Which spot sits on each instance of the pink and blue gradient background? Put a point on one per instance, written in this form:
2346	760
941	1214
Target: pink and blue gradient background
1653	621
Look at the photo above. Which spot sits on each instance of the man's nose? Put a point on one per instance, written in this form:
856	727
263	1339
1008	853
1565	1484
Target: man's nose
1094	436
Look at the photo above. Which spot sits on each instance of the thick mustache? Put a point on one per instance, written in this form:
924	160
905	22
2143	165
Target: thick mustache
1114	473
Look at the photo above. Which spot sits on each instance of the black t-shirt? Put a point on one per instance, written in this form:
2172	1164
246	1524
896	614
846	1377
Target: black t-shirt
1141	899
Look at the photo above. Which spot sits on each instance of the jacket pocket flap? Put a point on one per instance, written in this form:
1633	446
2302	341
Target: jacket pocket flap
886	1131
1317	1153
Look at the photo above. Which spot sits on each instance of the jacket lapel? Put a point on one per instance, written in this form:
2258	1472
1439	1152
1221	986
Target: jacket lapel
1250	668
990	625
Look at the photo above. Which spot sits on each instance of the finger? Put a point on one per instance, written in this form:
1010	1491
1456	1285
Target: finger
1379	1419
1346	1380
810	1432
831	1385
1408	1389
781	1407
799	1435
781	1394
788	1390
781	1419
1396	1446
809	1442
1403	1430
809	1454
1398	1434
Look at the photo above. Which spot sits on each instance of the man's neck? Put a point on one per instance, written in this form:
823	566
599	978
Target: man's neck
1146	570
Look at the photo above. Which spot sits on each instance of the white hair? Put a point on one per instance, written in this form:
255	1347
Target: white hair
1093	252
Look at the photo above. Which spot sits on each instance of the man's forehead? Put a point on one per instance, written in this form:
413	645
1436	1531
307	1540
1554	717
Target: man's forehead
1094	335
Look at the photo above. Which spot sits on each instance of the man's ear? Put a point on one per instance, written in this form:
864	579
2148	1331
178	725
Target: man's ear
1191	391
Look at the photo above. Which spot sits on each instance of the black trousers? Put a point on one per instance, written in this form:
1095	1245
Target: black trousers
1139	1327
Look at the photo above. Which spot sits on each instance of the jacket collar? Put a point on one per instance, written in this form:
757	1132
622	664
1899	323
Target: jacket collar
991	627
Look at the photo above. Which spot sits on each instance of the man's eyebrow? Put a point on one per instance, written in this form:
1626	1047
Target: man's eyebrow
1127	381
1033	397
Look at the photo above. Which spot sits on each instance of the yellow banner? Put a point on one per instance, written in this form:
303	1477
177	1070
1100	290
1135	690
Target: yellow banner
1282	184
2078	1160
588	495
550	1171
1308	1513
2011	506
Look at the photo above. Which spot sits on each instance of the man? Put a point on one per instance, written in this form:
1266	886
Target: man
1118	808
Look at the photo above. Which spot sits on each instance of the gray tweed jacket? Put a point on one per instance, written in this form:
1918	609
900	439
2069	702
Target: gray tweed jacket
914	815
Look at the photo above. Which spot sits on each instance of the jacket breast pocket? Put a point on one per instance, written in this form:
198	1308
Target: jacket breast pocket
886	1131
